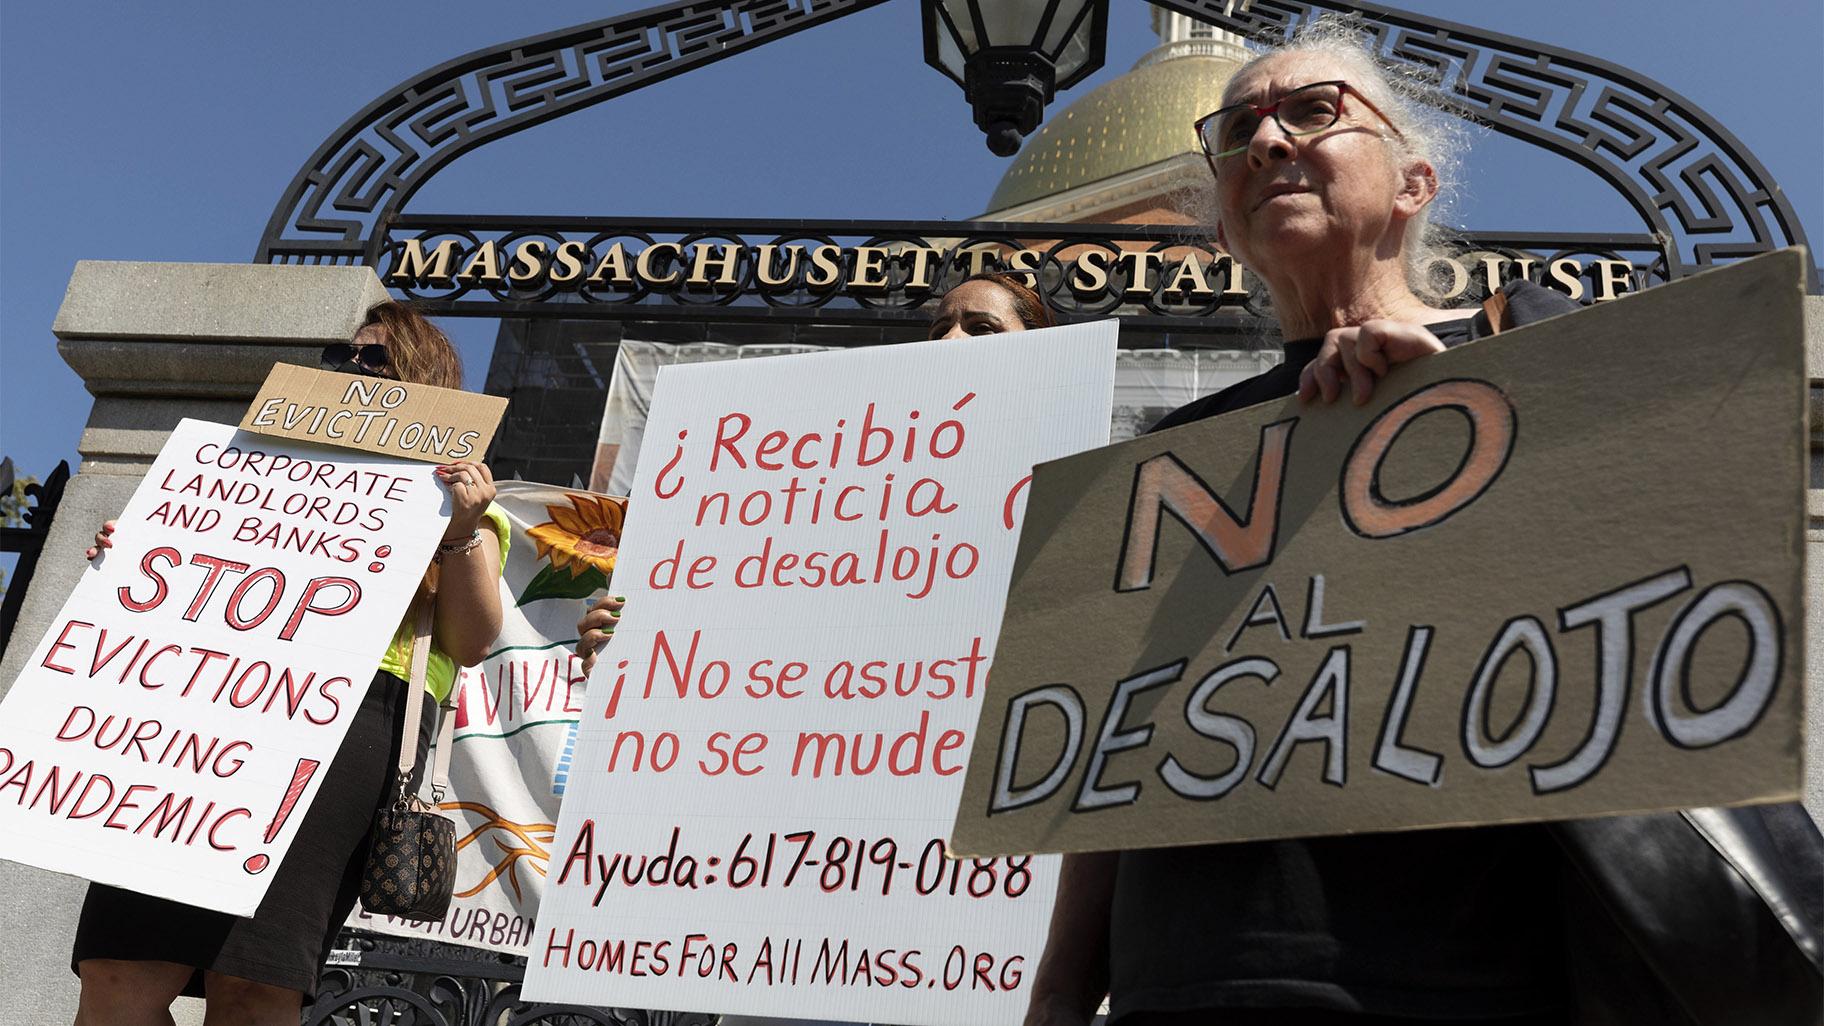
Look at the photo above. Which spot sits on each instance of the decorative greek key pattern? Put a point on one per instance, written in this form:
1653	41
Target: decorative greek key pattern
369	169
1694	185
1692	182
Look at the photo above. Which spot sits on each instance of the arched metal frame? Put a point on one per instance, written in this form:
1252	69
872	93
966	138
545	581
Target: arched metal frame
1696	187
1691	181
362	176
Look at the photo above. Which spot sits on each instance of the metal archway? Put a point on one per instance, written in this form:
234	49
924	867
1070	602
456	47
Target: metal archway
1696	187
1691	181
362	176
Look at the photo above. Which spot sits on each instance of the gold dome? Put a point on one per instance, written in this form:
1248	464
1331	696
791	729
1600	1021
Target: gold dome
1141	118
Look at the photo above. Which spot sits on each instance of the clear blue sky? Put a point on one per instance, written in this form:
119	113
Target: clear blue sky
166	131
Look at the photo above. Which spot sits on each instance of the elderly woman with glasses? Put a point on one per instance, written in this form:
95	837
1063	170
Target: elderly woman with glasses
1326	165
1325	172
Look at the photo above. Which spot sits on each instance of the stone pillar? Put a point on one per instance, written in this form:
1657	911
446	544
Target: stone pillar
154	343
1814	565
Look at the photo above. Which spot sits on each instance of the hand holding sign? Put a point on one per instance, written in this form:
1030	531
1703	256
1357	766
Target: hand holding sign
103	540
596	628
1361	354
471	486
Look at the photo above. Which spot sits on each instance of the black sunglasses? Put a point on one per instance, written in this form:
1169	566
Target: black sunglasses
372	356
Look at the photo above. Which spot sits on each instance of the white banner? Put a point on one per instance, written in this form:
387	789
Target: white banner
771	751
516	718
174	724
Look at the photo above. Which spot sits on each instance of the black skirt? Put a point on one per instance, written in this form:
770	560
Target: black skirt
312	892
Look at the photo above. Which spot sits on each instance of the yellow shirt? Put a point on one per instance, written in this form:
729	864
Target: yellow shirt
440	670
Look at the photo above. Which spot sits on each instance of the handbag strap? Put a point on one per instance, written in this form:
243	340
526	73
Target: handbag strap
440	759
414	700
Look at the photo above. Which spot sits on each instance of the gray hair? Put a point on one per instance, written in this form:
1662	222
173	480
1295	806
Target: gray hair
1411	101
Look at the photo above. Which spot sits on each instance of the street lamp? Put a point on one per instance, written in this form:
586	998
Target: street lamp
1012	56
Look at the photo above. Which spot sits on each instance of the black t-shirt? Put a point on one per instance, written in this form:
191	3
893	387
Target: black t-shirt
1457	923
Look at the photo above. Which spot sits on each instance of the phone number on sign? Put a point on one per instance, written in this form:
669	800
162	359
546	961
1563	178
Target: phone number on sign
801	859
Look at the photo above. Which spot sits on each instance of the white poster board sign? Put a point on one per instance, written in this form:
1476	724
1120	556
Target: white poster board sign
771	750
174	723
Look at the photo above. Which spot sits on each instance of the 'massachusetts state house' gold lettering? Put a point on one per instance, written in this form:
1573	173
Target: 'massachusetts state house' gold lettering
1091	271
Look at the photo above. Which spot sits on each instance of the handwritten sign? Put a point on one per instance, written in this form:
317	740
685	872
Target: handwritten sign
1557	573
177	718
394	418
771	750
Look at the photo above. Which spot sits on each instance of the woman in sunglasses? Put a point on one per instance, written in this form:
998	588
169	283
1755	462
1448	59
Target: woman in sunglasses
137	953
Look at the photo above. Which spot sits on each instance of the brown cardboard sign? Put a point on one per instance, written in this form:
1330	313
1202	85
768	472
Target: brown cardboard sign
1552	574
414	422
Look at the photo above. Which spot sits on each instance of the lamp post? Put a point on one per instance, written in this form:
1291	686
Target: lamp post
1012	56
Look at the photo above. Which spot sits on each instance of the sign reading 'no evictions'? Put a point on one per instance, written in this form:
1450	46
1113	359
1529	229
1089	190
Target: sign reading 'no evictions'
172	726
1553	574
394	418
771	749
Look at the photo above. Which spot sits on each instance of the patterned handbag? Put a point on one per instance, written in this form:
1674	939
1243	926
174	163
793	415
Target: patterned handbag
411	862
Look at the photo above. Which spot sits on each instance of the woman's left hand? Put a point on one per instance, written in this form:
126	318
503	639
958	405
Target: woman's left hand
471	486
1362	354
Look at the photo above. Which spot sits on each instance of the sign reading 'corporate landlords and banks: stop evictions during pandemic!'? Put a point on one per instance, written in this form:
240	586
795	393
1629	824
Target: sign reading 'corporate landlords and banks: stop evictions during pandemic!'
1552	574
771	750
174	724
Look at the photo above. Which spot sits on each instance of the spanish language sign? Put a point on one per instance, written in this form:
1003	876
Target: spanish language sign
394	418
1552	574
516	716
772	747
175	722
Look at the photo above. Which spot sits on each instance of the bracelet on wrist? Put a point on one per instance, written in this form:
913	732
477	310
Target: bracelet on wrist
457	548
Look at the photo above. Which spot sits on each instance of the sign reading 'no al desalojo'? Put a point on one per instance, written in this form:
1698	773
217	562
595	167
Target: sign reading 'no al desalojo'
392	418
1553	574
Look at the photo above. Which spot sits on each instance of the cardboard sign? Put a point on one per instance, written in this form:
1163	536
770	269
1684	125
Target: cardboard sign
1551	574
516	716
771	749
393	418
176	720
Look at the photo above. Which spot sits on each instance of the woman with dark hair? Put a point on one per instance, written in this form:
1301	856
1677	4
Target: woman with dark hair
989	304
137	953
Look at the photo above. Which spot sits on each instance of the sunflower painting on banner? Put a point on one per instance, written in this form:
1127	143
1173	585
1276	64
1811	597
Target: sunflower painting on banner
516	717
579	543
